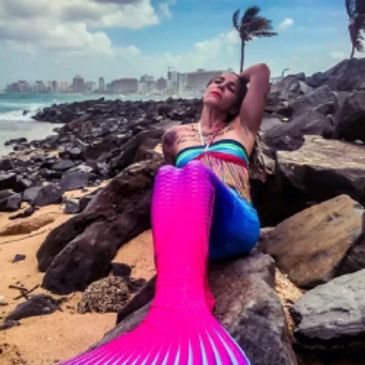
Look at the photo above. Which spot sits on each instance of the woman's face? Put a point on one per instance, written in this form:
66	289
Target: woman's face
222	92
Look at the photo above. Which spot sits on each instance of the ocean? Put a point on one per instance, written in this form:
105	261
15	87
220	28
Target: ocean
15	124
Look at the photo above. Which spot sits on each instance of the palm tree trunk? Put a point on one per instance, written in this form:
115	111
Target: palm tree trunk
242	55
352	52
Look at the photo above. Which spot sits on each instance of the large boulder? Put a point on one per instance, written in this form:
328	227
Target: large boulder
80	250
321	100
323	169
332	316
289	136
350	118
311	245
9	200
246	305
348	74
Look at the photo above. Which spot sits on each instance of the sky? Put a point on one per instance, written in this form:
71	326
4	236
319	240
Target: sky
57	39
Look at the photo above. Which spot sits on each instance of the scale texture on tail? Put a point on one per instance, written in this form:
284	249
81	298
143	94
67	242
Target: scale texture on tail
179	328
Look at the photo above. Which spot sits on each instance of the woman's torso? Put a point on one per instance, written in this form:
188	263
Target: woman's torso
227	156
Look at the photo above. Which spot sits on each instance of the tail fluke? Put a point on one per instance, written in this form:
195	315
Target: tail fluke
179	328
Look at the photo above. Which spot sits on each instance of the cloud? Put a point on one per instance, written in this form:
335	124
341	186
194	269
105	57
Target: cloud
165	8
286	23
70	25
337	55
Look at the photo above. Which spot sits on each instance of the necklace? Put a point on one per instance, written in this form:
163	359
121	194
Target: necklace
202	138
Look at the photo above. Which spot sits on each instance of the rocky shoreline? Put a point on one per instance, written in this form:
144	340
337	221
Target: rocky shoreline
310	201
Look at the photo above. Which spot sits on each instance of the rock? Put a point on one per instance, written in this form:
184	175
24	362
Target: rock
122	270
130	149
311	170
28	225
63	165
6	164
15	140
9	201
7	180
289	87
332	316
290	136
321	100
350	118
249	310
31	193
346	75
72	206
34	306
80	250
311	245
46	195
72	180
142	297
18	257
105	295
26	213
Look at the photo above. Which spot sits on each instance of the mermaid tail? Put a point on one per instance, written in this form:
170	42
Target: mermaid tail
179	328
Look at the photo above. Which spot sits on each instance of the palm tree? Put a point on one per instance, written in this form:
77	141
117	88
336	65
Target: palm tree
356	12
251	25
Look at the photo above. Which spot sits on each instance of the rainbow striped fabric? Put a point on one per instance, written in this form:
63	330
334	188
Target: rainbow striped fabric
229	160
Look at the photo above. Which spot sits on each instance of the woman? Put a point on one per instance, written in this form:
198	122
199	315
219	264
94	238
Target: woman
200	209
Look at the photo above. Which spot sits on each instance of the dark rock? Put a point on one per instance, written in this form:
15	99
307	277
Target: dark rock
143	297
72	180
332	316
35	306
15	140
119	269
350	118
9	201
130	149
72	206
30	194
80	251
321	100
289	136
18	257
46	195
63	165
346	75
7	180
6	164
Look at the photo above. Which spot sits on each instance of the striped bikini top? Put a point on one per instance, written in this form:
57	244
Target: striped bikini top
228	158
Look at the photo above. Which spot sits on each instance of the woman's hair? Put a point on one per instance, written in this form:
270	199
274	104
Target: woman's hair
242	90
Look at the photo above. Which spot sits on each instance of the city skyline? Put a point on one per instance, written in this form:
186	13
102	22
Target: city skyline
175	82
135	37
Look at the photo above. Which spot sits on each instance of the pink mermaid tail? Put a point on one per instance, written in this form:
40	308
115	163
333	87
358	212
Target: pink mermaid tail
179	328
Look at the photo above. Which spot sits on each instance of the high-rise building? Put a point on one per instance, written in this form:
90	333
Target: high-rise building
197	81
161	84
101	84
78	84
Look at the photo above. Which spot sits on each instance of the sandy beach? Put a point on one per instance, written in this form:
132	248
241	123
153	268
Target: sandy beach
46	339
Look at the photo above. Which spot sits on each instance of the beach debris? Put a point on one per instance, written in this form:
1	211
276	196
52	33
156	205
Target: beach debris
23	291
35	306
109	294
18	257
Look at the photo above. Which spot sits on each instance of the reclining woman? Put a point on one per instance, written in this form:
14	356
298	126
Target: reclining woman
201	210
